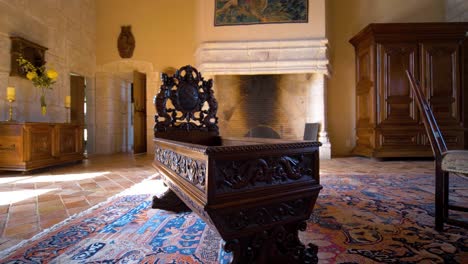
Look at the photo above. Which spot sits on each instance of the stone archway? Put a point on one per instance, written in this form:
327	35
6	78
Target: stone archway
111	99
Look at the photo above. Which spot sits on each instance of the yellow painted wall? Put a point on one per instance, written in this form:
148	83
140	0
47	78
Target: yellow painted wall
164	31
345	18
206	31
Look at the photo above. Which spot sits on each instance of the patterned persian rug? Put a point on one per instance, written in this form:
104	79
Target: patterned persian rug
357	219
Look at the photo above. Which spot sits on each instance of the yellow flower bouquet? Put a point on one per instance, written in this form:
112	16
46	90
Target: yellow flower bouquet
40	77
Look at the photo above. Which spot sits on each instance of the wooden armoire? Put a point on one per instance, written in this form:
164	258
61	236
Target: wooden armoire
388	123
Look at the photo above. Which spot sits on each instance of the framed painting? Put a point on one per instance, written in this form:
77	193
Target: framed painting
247	12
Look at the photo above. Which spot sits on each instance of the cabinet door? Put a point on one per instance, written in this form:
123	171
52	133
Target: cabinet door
11	144
38	142
441	79
68	140
396	105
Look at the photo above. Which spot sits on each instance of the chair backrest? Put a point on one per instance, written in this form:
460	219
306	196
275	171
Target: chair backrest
186	108
432	129
311	131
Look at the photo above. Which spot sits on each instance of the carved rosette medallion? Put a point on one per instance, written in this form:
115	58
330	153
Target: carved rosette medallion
190	169
245	174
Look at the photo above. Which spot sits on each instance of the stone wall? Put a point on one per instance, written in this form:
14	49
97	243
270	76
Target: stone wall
457	10
67	28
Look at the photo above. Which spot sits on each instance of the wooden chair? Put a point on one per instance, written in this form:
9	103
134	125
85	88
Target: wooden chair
446	162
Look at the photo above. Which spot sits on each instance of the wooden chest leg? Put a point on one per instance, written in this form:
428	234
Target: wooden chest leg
277	245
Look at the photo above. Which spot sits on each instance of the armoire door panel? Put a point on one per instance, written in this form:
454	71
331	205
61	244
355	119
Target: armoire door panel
401	138
398	140
364	64
364	105
394	92
364	86
453	139
441	78
363	108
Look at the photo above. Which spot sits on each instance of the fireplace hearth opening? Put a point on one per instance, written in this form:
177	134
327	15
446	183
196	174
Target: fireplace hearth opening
269	105
262	132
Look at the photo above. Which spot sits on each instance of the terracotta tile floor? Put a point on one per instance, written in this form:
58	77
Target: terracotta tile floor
32	203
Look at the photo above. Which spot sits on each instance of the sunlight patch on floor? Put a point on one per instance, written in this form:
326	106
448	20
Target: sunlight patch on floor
20	195
150	186
64	177
4	180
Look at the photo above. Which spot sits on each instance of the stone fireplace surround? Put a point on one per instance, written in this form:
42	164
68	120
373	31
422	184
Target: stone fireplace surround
287	57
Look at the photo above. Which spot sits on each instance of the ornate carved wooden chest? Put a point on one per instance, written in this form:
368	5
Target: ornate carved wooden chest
257	193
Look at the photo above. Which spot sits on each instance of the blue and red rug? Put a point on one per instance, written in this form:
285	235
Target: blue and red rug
357	219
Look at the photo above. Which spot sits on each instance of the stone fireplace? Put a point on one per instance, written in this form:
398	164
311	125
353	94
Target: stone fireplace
268	88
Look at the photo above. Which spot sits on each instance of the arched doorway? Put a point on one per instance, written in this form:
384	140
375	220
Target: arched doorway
123	100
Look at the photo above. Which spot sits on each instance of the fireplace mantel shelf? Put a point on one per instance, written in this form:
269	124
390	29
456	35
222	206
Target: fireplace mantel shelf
263	57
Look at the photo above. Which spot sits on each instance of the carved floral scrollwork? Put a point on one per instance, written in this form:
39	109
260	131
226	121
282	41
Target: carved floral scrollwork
190	169
243	174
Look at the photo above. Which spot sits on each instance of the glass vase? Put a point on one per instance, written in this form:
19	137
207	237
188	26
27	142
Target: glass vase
43	102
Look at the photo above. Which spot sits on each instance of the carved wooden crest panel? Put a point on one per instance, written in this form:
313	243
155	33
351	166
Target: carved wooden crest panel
192	98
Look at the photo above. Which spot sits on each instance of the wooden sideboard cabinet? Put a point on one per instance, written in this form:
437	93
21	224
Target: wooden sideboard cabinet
388	123
28	146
